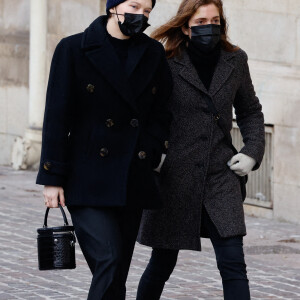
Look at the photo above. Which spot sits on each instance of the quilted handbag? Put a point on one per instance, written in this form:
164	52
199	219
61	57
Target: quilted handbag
56	245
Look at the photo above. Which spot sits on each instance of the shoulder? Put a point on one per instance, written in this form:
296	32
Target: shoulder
240	55
153	44
67	48
171	60
171	63
72	41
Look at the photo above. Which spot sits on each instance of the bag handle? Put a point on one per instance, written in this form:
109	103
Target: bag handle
63	214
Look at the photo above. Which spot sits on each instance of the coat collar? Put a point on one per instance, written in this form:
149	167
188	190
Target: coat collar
222	72
103	57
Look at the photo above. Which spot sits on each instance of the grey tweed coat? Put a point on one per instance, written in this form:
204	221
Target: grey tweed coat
195	171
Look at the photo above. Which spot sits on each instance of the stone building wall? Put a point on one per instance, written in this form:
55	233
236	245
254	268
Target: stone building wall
270	33
268	30
14	61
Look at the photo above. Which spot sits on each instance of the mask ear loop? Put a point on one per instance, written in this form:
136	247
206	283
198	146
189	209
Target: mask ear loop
116	13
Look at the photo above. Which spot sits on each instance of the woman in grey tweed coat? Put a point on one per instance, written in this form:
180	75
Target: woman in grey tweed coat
200	176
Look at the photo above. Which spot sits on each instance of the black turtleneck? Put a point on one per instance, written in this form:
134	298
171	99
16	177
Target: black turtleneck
121	48
204	63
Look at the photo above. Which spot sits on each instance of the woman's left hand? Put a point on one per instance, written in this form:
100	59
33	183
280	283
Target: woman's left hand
241	164
163	157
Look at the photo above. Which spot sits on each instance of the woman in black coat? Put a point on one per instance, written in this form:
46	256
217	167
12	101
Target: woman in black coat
105	127
201	175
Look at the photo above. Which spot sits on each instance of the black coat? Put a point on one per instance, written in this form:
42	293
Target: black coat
105	128
195	171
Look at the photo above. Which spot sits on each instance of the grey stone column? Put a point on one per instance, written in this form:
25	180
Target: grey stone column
26	151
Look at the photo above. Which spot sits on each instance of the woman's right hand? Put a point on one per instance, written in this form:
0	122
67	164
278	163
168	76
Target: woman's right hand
53	195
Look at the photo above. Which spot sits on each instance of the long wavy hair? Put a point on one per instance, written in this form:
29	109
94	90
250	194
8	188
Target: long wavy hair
171	35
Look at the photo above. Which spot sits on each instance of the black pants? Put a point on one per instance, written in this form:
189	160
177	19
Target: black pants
107	237
230	261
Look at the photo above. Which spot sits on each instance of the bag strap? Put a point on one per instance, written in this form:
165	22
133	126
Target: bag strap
220	122
63	214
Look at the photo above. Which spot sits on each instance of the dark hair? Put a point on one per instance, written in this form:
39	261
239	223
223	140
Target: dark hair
171	35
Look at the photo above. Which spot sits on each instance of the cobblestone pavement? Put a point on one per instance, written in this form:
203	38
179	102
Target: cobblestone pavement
272	254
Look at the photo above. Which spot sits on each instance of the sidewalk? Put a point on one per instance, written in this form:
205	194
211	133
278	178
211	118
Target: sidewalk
272	255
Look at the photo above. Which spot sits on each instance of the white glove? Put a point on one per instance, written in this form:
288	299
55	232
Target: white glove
241	164
163	157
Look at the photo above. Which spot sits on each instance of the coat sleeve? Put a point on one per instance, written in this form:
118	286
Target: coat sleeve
249	116
53	167
159	123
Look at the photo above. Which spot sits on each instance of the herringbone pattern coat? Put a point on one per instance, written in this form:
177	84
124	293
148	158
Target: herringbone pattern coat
195	172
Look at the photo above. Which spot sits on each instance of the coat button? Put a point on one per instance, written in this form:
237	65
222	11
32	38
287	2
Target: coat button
142	155
167	144
103	152
109	123
90	88
134	123
154	90
47	165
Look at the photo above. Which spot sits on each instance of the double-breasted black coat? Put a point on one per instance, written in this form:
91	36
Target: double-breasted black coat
195	171
105	127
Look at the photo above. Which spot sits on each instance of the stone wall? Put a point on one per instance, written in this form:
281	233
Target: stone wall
268	30
67	17
270	33
14	59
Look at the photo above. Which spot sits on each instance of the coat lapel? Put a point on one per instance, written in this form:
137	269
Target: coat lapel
135	54
222	72
141	65
189	72
103	57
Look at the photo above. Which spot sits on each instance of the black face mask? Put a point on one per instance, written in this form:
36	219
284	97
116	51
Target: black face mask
206	37
133	24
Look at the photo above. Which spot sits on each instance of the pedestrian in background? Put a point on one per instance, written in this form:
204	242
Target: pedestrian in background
200	176
105	127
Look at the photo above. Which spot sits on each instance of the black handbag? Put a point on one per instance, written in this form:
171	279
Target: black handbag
56	245
220	122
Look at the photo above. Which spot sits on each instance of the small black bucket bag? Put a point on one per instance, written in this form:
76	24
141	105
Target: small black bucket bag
56	245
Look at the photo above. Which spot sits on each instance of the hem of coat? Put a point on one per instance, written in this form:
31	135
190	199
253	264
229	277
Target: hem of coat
183	246
76	200
226	236
221	234
99	205
233	235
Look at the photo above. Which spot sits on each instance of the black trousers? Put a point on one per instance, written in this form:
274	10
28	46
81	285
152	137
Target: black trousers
107	237
230	262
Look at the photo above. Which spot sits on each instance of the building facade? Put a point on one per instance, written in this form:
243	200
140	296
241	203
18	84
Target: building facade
269	31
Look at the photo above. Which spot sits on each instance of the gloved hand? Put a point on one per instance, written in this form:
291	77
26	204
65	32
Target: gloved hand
241	164
163	157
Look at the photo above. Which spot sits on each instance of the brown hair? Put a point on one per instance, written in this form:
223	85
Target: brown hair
171	35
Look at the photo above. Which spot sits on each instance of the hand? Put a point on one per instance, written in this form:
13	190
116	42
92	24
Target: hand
163	157
241	164
53	195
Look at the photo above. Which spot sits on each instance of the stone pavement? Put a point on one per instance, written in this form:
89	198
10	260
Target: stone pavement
272	254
